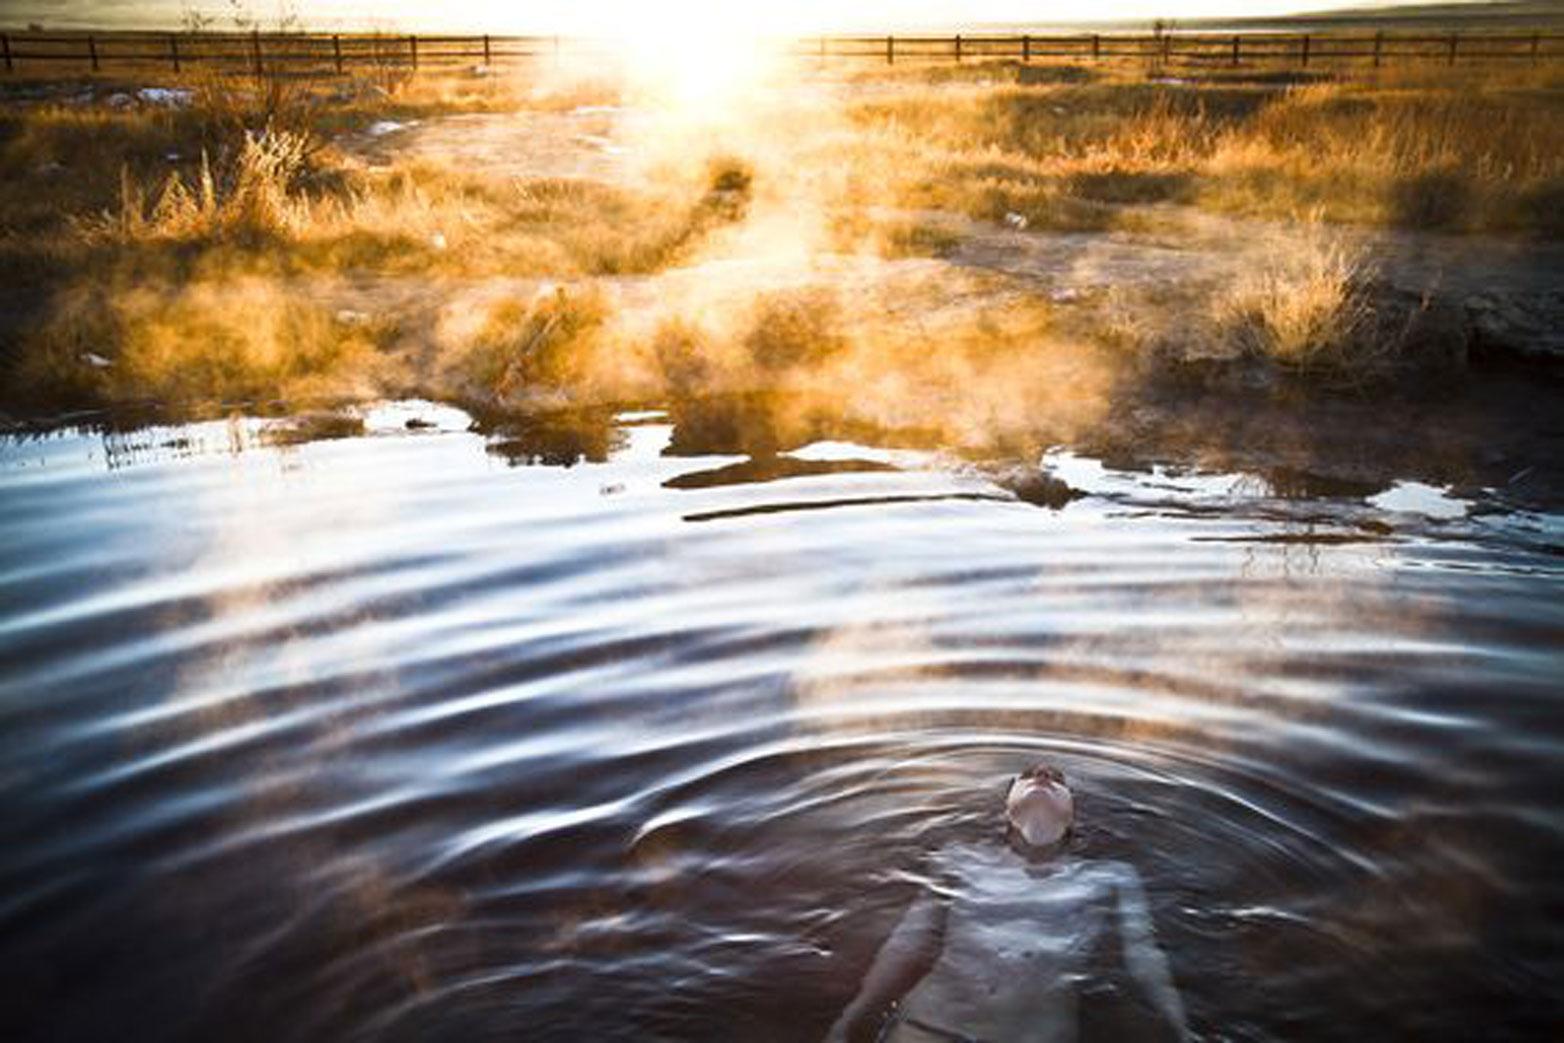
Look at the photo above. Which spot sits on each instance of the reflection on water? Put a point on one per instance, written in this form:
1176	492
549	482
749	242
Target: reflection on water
643	726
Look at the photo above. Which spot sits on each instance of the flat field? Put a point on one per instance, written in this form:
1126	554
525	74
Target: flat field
988	252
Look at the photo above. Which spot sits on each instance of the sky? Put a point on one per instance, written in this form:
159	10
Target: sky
586	16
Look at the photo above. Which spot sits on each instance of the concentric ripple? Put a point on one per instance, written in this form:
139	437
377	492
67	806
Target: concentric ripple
608	734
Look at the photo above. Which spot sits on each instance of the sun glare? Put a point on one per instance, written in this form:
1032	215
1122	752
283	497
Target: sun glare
696	57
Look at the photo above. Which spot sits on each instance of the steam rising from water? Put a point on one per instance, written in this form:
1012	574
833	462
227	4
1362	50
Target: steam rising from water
789	288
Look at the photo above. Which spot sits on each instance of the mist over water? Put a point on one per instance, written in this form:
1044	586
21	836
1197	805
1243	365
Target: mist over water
640	726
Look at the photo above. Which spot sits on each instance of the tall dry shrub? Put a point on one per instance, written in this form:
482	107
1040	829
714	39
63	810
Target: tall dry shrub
254	195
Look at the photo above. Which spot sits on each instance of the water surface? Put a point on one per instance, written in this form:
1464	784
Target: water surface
622	728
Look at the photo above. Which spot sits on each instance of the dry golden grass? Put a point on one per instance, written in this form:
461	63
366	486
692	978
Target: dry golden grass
255	197
199	344
1447	159
171	242
280	198
1308	310
119	227
545	345
1478	153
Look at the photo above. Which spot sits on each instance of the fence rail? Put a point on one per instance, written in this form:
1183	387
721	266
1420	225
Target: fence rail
322	53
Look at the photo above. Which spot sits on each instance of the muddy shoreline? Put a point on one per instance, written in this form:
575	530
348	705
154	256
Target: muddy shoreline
1493	436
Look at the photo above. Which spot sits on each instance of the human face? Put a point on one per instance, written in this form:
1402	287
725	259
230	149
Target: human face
1040	807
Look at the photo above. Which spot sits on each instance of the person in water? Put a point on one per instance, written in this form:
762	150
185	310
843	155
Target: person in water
1014	942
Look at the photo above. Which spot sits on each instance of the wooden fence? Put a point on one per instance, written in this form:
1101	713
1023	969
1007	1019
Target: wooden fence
338	53
1287	50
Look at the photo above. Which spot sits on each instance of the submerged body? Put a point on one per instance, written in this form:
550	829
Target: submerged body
1012	944
1053	952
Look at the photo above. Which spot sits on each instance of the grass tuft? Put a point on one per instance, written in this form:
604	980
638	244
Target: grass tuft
254	198
1308	311
545	344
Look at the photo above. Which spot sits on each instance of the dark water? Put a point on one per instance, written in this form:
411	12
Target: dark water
423	734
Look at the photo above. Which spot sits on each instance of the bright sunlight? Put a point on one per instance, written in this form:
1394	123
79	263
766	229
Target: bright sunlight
696	57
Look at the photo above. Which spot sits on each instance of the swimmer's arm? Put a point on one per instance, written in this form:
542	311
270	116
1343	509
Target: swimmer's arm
913	946
1143	957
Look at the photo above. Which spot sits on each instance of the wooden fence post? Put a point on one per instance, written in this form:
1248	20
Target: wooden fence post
336	52
1096	48
1454	39
1167	47
487	60
412	51
1236	41
173	51
1026	47
5	48
1305	55
890	50
958	47
92	51
255	52
1379	47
